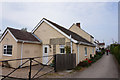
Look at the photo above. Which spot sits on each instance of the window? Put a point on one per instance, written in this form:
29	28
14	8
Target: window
62	49
7	50
45	49
85	51
93	50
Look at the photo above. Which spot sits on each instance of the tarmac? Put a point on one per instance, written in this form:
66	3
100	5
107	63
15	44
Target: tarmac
106	67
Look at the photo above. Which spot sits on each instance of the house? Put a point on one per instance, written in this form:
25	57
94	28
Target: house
47	38
16	43
99	45
76	28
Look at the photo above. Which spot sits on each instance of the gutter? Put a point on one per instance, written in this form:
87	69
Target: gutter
29	41
71	43
22	51
78	52
86	44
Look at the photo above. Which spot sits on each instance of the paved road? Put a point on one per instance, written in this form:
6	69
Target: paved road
106	67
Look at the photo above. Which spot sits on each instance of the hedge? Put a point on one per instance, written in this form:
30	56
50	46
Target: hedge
115	50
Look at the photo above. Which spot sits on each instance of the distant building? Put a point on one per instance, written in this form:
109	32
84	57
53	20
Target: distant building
0	35
99	45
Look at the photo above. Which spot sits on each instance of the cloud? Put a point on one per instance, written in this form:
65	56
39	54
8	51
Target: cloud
59	0
95	18
0	15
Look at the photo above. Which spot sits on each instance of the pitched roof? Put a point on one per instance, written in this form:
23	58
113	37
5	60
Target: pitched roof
21	35
82	30
68	32
101	43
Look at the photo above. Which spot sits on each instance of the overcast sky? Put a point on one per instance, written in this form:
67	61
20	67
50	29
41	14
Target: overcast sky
100	19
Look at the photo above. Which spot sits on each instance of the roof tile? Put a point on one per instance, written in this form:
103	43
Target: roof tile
23	35
68	32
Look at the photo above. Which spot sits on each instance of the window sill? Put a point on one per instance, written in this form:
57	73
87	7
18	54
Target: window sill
7	55
61	53
85	55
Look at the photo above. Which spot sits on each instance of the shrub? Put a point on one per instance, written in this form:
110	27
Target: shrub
103	51
77	68
115	50
91	56
85	63
117	53
68	49
96	57
93	60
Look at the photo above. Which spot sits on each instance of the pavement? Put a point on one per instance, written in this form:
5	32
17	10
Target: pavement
106	67
24	72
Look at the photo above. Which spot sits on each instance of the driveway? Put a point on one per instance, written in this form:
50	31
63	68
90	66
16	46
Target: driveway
106	67
24	72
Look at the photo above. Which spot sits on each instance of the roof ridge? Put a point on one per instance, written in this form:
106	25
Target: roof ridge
54	23
17	29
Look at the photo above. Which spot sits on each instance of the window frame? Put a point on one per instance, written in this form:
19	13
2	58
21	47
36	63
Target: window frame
5	47
62	47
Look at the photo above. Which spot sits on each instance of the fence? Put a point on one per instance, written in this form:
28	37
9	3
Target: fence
30	61
61	62
65	61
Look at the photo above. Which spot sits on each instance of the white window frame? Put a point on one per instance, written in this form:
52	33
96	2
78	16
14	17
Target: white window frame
6	50
62	47
85	51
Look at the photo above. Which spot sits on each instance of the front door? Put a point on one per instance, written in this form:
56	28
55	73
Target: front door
45	53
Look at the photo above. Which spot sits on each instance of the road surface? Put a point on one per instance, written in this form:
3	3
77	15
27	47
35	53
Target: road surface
106	67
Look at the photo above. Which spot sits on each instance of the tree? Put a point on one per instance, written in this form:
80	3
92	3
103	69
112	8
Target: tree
24	29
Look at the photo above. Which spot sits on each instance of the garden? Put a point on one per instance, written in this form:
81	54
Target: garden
87	62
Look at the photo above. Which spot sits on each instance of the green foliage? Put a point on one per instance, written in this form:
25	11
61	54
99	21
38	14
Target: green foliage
103	51
77	68
88	62
91	56
96	57
83	64
115	50
93	60
68	49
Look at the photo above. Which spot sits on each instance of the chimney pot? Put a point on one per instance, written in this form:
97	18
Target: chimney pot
78	24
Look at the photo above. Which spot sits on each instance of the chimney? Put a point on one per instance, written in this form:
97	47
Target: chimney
78	24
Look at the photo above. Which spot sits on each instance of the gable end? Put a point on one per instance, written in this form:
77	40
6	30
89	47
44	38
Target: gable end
43	20
4	34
